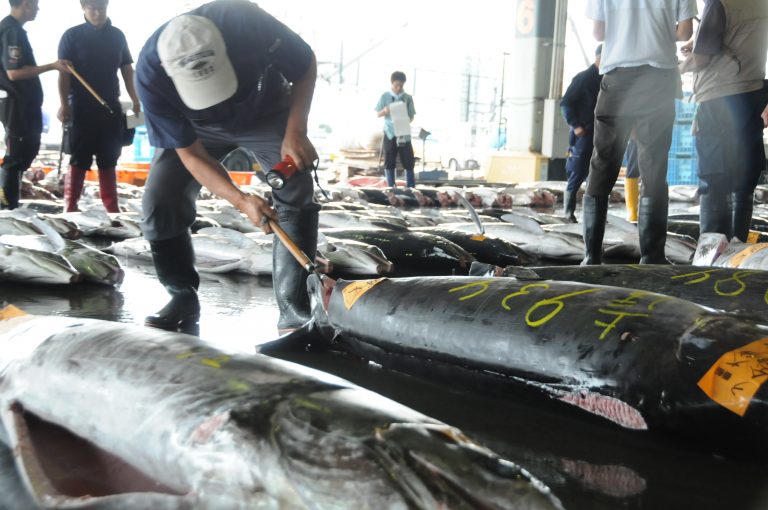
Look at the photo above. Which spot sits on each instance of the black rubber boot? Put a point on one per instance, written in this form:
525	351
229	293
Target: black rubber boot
288	277
741	219
175	265
715	214
652	228
595	214
10	189
569	203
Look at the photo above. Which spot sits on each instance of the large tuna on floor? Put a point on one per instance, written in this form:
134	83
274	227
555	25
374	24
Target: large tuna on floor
35	267
108	415
485	248
733	290
411	252
640	359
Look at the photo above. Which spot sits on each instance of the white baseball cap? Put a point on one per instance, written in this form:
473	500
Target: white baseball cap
193	54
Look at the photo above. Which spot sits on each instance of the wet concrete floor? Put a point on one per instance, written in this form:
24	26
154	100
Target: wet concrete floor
588	463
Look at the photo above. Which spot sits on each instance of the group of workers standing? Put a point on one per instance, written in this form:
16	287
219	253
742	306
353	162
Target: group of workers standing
95	50
633	94
223	75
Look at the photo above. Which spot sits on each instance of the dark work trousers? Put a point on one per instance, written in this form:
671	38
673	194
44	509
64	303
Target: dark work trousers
729	143
405	150
577	164
96	132
633	169
21	148
640	97
170	191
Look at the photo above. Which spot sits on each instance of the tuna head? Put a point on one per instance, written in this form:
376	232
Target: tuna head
35	266
335	445
354	257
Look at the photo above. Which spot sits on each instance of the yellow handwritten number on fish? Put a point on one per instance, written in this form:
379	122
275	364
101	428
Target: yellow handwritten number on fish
556	302
483	286
740	285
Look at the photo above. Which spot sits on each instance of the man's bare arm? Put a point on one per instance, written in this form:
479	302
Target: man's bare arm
684	30
598	30
28	72
211	174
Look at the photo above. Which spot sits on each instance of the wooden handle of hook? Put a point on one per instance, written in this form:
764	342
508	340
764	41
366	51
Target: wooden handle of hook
299	255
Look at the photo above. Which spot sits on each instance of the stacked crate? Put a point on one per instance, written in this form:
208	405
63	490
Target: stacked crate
683	160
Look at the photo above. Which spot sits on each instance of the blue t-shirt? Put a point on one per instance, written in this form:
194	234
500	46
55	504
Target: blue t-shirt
260	48
96	54
386	99
640	32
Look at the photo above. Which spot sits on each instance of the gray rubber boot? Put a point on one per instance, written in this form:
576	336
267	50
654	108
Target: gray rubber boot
741	217
715	214
288	277
175	265
652	228
569	205
595	214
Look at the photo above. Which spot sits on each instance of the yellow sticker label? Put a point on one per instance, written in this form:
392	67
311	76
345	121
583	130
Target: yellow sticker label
10	311
740	257
478	237
733	381
356	289
753	236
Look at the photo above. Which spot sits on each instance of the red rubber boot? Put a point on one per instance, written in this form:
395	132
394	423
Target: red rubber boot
108	189
73	187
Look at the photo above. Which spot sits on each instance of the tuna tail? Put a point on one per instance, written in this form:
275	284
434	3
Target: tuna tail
435	466
319	288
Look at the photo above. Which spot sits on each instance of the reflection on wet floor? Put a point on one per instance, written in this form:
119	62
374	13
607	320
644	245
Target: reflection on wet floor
589	463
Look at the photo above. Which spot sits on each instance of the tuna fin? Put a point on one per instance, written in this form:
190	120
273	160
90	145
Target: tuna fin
522	273
472	212
297	340
54	237
482	269
526	223
609	408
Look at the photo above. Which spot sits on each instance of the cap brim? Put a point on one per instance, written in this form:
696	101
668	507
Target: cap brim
202	94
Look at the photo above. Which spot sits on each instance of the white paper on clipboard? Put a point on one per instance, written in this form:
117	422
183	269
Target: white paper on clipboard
133	120
398	111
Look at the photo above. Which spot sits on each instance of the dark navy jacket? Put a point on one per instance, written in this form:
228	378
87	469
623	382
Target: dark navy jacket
264	53
579	101
97	54
17	53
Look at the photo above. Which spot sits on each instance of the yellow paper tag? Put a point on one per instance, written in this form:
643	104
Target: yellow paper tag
740	257
10	311
753	236
355	291
733	381
478	237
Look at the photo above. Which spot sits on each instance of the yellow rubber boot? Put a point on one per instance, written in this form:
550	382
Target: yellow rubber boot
631	194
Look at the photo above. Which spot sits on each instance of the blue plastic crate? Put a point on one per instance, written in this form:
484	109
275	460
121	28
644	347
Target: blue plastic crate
682	170
685	110
683	141
142	150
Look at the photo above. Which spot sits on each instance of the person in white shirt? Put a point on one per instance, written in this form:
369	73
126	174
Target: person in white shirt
640	83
